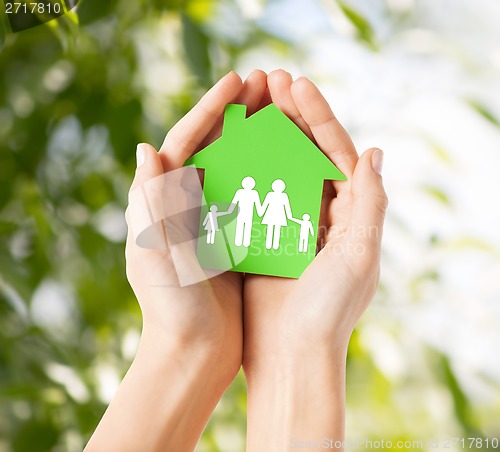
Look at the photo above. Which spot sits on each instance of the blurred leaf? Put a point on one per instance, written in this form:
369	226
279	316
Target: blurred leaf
4	26
7	227
66	28
3	32
90	11
438	194
196	45
43	430
420	281
474	243
442	154
199	10
362	26
485	112
167	5
462	407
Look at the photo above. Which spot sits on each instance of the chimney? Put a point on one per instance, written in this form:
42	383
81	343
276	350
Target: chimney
234	116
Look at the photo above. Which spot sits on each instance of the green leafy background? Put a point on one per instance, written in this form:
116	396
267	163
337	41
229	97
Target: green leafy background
78	93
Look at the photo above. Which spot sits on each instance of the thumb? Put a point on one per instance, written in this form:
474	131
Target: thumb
153	199
148	165
145	195
370	200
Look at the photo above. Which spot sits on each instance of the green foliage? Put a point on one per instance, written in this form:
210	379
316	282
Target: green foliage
3	32
196	44
462	407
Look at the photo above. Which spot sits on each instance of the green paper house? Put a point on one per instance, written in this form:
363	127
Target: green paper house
262	188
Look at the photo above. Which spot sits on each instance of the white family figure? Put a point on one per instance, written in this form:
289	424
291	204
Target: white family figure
211	223
276	210
246	199
306	229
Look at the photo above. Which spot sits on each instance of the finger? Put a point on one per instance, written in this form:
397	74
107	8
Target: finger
266	99
369	202
148	165
158	217
253	90
144	203
330	136
279	83
250	95
184	138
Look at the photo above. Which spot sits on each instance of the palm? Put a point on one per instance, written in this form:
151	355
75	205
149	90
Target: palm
277	311
203	311
208	312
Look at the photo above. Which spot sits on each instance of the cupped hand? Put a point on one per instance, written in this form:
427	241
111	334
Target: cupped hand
319	310
205	317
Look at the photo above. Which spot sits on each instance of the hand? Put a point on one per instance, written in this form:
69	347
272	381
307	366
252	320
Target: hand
191	344
205	316
280	312
207	313
297	331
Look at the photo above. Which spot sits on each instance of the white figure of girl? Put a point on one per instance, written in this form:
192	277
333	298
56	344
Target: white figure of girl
276	209
211	223
306	229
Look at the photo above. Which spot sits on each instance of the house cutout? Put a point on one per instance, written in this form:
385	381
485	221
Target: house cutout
263	186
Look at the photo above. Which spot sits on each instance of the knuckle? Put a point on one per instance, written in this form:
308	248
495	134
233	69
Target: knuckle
208	111
380	201
383	200
182	142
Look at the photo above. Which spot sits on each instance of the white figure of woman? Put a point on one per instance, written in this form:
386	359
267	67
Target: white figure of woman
211	223
276	210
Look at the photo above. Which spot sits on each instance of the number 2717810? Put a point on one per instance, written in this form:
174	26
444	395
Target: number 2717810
32	8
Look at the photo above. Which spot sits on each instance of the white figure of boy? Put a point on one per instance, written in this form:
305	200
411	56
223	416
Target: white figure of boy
211	223
306	229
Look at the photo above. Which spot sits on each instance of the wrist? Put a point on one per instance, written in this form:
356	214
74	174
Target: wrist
289	353
294	366
195	357
173	392
307	393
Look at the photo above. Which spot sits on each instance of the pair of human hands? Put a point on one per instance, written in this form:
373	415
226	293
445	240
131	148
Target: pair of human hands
257	320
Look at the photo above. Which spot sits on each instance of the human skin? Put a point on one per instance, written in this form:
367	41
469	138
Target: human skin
294	344
191	344
297	331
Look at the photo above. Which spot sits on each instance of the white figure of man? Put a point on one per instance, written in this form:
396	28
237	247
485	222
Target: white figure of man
246	199
306	229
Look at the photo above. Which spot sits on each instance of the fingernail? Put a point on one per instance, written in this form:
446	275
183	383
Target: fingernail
141	154
378	161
